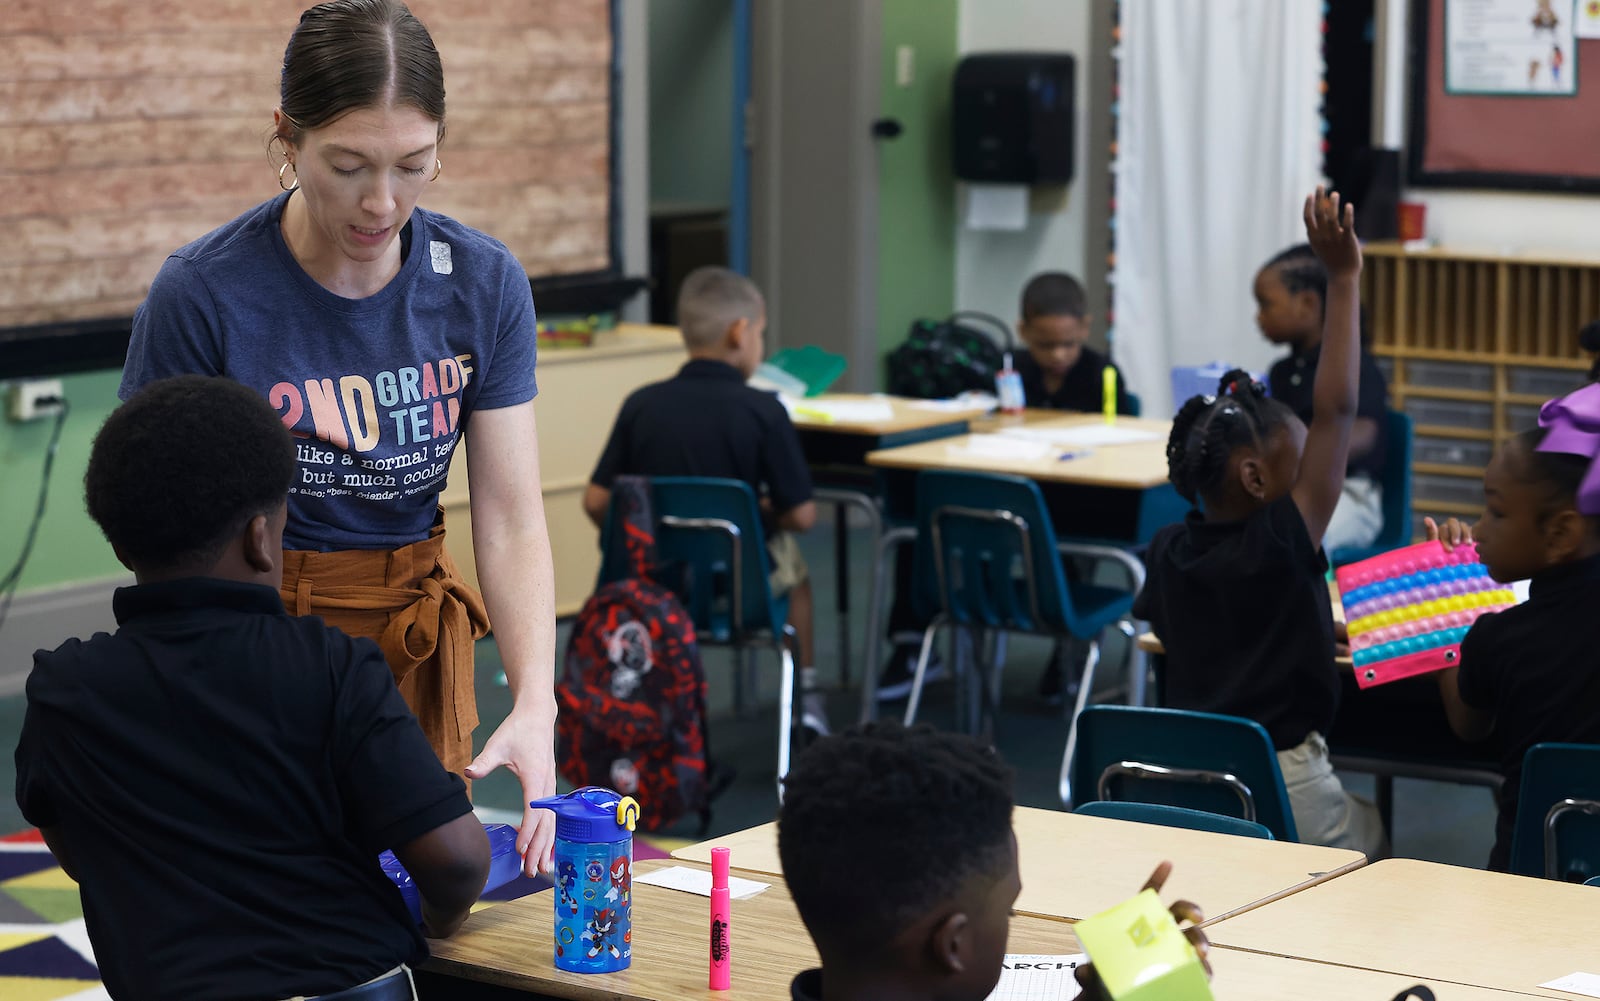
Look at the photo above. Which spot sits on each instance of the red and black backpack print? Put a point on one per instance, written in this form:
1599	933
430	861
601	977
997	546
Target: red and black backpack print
632	692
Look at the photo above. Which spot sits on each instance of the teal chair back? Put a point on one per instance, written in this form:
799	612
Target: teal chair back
1396	482
1594	881
1557	833
987	556
1174	816
1172	757
712	550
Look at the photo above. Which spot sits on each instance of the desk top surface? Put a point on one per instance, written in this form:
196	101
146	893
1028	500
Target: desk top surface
1136	465
1424	919
624	339
510	944
1075	866
904	414
1250	976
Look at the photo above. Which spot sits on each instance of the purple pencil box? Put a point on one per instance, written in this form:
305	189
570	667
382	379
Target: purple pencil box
504	866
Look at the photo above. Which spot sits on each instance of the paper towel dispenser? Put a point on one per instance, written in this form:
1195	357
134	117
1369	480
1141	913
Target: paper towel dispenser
1012	117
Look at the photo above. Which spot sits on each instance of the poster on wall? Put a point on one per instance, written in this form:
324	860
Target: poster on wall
1588	19
1526	48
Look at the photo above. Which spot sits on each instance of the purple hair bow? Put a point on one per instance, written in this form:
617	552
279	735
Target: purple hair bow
1572	427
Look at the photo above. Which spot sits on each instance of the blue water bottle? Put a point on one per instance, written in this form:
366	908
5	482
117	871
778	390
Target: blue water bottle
594	878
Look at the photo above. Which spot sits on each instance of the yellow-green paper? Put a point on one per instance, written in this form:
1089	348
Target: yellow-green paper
1141	954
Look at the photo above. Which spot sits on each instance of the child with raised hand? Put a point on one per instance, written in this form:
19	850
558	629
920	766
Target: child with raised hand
1528	672
1237	591
1291	292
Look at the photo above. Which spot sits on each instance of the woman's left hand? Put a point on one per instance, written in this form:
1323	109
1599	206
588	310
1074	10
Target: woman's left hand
525	743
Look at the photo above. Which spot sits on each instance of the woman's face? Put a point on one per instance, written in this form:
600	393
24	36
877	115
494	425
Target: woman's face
361	175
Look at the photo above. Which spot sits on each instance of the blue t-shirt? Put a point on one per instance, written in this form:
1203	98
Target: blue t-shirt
376	391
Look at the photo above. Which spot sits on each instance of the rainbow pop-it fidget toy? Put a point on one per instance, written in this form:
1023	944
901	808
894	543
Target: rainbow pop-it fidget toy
1408	609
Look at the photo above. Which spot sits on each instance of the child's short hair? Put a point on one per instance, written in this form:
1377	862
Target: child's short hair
1301	270
1208	429
711	300
1054	293
181	467
881	823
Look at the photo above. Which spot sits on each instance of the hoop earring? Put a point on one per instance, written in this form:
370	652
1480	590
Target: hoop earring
287	164
438	168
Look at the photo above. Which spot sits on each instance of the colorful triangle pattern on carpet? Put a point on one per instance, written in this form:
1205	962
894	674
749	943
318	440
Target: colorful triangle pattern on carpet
44	950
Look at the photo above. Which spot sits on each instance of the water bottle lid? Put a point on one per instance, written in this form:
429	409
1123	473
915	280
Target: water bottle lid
592	814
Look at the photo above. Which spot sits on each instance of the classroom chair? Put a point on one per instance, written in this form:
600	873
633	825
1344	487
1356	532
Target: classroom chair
1174	757
1557	832
1396	531
1592	881
713	548
1174	816
987	560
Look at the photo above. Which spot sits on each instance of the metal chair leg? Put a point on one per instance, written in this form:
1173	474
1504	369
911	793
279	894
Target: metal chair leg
1138	668
888	542
786	697
918	676
1085	686
843	500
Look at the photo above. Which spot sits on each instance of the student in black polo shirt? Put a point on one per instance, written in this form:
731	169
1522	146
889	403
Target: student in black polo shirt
218	776
1059	370
1237	590
1291	293
1528	674
705	421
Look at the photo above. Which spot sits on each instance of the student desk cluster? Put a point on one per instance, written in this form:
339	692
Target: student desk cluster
1288	922
868	450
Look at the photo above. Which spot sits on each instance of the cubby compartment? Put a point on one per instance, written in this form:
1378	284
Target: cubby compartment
1451	451
1549	382
1466	414
1521	417
1432	487
1449	375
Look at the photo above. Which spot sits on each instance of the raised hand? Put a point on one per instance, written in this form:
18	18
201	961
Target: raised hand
1331	231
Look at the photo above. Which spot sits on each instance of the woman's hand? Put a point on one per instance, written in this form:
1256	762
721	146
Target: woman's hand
524	743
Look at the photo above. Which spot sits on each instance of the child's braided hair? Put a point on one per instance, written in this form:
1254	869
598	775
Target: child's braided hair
1208	429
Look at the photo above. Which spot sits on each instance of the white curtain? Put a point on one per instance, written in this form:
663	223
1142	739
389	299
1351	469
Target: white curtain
1219	141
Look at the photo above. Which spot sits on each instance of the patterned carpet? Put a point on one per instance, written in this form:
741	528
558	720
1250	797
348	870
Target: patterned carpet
44	950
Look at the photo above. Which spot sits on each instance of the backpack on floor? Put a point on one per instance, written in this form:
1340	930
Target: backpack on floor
944	358
632	693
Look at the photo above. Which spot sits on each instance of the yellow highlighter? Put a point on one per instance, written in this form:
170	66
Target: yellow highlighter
1108	393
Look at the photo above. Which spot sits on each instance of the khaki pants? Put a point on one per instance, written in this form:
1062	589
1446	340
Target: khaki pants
414	604
1324	814
788	564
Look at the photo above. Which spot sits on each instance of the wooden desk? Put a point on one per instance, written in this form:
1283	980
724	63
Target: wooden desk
509	945
1074	866
1248	976
1423	919
1134	466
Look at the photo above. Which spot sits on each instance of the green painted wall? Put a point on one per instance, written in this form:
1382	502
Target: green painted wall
70	547
916	187
691	101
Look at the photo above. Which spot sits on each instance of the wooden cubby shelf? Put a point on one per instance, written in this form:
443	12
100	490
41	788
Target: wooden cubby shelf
1473	343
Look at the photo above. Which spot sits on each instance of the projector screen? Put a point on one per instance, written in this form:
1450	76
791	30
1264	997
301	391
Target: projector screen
131	128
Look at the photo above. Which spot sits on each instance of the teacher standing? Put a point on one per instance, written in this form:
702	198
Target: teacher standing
382	333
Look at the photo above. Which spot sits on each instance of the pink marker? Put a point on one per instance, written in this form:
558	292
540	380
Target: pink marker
721	923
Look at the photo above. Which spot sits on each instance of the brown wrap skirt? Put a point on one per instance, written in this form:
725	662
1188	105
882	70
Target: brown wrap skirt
424	617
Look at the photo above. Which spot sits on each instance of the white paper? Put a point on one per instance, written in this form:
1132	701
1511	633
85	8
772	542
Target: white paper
679	877
997	206
1504	47
955	406
838	411
1038	978
1587	984
1083	435
1588	19
1000	446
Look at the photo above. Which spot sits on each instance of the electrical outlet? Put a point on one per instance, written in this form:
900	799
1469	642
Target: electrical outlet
33	399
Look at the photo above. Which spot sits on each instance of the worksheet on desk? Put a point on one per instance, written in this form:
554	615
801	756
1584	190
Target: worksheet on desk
1088	435
1038	978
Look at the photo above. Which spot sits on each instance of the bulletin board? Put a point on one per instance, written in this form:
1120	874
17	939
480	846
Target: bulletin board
1531	143
130	129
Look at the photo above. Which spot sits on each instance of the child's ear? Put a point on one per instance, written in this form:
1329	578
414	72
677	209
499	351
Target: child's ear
1564	535
261	551
1253	476
738	330
949	942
